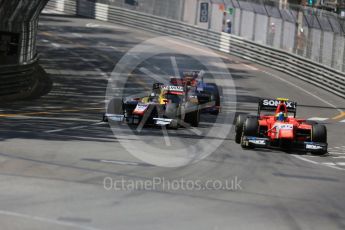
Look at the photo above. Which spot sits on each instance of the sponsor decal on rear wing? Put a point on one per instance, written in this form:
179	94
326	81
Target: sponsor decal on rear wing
173	89
194	74
272	104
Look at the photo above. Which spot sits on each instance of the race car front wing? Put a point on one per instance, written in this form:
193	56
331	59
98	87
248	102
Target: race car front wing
259	142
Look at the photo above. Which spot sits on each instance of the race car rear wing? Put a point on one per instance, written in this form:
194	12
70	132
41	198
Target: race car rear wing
272	104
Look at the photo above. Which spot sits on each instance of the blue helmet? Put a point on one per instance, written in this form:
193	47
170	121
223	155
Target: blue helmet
281	116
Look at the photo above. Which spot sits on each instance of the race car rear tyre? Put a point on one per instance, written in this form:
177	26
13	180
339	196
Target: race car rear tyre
193	118
115	106
319	133
239	127
216	97
251	127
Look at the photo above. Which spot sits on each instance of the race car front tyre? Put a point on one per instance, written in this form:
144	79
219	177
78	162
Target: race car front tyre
115	106
251	127
319	133
239	127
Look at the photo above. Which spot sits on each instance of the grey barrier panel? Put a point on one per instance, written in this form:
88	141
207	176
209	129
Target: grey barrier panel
237	24
327	48
316	44
261	29
259	8
324	24
312	21
288	40
335	25
217	17
235	4
245	5
287	15
274	32
338	52
273	11
247	26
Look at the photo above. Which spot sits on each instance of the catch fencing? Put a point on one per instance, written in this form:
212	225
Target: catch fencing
295	65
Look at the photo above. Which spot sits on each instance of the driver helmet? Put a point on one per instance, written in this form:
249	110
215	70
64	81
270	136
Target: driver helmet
281	116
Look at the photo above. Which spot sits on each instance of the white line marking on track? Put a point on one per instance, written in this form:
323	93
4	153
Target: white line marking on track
46	220
331	152
305	159
175	67
72	128
56	45
328	164
77	35
119	162
343	121
317	119
341	163
154	76
304	90
55	131
52	118
250	67
339	157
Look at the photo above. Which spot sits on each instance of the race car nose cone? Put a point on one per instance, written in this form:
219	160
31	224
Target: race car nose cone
286	134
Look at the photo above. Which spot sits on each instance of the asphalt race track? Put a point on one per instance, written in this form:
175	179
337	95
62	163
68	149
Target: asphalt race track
55	152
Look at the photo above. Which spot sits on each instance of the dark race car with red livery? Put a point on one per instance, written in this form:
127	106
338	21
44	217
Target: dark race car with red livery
276	126
207	93
166	105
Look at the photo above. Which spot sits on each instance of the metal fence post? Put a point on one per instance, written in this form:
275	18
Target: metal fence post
281	45
321	47
343	58
197	12
210	10
333	49
254	26
240	24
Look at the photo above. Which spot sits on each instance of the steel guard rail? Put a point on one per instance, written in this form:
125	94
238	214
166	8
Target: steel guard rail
305	69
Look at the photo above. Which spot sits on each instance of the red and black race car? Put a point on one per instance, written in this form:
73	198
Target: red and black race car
280	128
207	93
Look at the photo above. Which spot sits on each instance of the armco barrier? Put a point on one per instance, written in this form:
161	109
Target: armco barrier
314	73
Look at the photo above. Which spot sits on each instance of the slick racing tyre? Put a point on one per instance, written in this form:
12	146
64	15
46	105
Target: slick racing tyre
319	134
216	97
115	106
193	118
239	127
251	127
